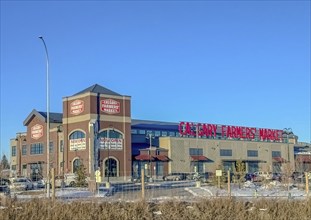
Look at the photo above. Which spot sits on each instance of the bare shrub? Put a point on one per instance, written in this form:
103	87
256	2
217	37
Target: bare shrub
203	209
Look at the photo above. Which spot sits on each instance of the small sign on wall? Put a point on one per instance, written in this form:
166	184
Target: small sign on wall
36	131
77	144
76	107
110	106
112	143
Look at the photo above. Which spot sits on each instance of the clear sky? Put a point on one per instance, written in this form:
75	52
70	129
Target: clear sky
244	63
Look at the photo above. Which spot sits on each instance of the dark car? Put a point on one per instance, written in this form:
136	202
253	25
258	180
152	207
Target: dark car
5	190
249	177
4	181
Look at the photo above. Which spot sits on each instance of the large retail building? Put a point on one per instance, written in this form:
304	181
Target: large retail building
96	129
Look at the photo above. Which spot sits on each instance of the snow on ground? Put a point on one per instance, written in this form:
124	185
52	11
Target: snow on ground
246	190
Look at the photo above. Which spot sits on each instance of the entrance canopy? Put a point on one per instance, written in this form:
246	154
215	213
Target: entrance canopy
199	158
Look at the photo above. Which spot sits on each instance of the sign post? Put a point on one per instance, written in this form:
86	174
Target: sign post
218	174
98	179
229	185
143	183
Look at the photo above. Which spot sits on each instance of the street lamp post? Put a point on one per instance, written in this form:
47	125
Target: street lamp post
287	132
109	146
108	169
196	142
21	137
47	118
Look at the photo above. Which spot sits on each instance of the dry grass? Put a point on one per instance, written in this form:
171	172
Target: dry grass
204	209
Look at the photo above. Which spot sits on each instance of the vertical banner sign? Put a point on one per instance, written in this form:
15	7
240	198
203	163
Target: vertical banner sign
110	106
76	107
36	131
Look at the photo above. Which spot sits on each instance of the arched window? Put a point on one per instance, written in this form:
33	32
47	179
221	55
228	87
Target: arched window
111	167
76	135
77	141
111	139
112	134
76	164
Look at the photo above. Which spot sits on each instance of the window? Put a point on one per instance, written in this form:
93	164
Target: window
225	152
164	133
172	134
24	150
141	132
77	135
252	153
61	146
150	132
276	153
51	147
253	167
111	167
13	151
112	134
134	131
76	165
195	151
36	148
227	165
157	133
13	167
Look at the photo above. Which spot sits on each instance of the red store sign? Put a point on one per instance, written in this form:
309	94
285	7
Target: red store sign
228	131
76	107
110	106
36	131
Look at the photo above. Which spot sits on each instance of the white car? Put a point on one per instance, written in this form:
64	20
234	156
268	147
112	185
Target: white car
21	183
103	191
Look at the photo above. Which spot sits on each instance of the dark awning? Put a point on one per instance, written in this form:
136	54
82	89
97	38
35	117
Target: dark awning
279	159
304	158
144	157
199	158
162	158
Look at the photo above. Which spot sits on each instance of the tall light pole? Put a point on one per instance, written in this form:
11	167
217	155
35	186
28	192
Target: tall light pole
109	146
47	119
287	132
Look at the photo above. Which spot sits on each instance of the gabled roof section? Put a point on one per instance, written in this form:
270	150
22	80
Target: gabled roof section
54	117
98	89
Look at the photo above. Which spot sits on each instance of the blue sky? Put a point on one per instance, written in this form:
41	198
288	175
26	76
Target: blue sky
244	63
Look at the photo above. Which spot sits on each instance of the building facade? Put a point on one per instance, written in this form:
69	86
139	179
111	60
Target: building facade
96	130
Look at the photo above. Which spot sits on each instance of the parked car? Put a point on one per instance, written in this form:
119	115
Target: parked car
277	176
249	177
69	179
22	183
39	184
103	191
4	191
4	181
262	175
175	176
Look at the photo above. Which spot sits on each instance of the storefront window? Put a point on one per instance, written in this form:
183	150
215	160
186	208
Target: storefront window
225	152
